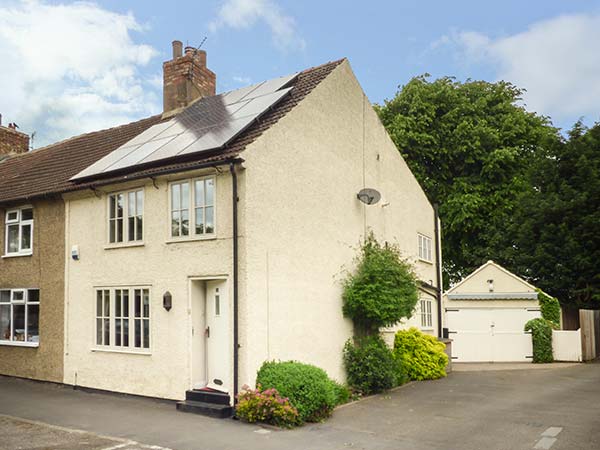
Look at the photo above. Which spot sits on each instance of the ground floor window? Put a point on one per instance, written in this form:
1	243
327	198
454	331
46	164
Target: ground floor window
123	318
20	315
426	316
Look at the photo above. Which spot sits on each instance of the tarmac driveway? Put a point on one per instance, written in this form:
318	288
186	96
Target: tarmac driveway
557	408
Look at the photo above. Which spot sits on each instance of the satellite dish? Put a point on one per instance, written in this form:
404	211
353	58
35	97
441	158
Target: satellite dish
369	196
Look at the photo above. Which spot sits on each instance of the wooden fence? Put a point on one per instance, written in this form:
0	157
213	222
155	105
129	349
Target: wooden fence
589	321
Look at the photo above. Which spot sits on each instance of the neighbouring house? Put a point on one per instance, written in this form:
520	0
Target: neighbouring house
486	313
32	266
199	243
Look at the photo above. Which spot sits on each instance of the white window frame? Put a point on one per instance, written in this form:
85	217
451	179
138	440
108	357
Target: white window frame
21	302
134	321
426	313
20	223
191	209
137	240
424	248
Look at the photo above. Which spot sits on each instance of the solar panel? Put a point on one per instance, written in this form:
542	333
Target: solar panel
207	124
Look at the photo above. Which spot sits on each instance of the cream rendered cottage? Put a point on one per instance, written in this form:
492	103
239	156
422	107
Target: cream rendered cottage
189	268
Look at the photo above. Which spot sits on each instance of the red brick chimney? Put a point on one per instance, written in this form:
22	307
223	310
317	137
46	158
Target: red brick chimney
186	78
11	140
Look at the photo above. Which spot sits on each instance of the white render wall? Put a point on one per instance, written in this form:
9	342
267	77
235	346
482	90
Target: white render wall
162	266
300	227
304	223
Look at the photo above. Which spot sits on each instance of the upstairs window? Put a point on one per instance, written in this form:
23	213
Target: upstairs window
126	217
20	316
192	204
19	231
425	248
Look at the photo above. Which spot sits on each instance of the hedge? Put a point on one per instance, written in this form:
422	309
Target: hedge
541	331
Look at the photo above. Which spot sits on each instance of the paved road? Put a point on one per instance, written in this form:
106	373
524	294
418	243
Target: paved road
557	408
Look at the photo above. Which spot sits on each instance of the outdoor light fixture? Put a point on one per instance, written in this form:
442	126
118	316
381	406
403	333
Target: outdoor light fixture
490	285
167	301
369	196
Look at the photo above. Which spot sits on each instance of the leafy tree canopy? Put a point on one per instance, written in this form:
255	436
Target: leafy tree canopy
556	227
470	146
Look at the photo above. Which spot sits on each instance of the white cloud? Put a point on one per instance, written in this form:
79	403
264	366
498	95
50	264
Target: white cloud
244	14
556	60
72	68
242	80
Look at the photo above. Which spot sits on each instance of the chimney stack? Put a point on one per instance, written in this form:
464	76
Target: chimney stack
186	78
11	140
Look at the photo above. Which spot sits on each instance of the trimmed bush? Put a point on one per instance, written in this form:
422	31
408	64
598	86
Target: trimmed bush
308	387
421	355
342	393
541	332
266	406
383	289
550	307
371	366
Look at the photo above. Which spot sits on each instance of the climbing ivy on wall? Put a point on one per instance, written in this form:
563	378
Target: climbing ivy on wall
550	307
541	331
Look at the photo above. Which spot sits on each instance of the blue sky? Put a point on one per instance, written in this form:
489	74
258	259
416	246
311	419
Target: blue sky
75	67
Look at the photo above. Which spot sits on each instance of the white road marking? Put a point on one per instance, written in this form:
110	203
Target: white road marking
545	443
115	447
262	431
552	431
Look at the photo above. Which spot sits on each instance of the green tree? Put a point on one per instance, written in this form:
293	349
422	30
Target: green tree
470	146
556	228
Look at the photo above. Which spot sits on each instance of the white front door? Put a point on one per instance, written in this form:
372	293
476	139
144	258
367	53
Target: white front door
218	336
490	334
198	311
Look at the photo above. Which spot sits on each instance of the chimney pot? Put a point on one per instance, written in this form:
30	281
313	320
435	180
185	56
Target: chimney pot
177	48
186	78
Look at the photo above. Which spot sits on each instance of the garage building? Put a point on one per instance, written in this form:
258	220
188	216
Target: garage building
485	314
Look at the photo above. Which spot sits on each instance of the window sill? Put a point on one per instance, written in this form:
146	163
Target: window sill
17	255
427	329
125	351
127	245
20	344
210	237
426	261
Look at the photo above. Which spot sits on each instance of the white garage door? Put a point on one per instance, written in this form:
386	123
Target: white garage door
487	334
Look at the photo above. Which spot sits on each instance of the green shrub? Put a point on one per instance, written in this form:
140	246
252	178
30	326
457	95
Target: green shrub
541	333
308	388
342	393
550	307
266	406
383	289
421	355
370	365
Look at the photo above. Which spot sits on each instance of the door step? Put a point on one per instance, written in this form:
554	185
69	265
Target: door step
207	403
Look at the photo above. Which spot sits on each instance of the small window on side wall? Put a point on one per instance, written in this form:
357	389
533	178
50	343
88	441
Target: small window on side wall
424	248
426	314
19	231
